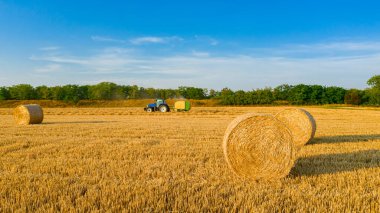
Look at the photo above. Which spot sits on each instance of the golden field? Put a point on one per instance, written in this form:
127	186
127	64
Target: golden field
124	159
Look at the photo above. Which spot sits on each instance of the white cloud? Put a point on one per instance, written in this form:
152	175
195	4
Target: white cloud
200	54
153	39
138	40
60	59
202	70
48	68
50	48
328	49
343	46
107	39
117	50
142	40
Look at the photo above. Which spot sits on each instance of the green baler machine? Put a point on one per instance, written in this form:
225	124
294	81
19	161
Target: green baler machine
182	106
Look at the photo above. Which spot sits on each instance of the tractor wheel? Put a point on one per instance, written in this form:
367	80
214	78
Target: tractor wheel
149	110
164	108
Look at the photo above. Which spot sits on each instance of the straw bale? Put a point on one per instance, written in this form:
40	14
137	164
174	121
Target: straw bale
259	147
300	123
28	114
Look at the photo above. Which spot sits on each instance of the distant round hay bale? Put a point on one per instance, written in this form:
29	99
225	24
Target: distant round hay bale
28	114
301	124
259	147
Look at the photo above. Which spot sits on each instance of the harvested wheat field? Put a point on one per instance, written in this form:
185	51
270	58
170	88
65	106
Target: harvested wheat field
125	159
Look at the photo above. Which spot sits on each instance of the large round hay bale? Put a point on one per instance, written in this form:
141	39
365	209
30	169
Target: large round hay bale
259	147
301	124
28	114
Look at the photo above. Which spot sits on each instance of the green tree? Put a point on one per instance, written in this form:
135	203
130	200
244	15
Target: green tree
72	93
282	92
353	97
227	96
374	81
43	93
57	93
373	93
83	92
192	92
300	94
316	94
240	98
4	93
212	93
22	92
172	93
106	91
333	95
264	96
133	92
151	93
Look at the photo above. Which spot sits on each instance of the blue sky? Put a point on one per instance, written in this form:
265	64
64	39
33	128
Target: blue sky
209	44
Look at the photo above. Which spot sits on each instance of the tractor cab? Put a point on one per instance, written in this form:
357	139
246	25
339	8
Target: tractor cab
159	102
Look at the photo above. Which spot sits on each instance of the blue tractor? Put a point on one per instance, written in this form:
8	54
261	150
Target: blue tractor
159	105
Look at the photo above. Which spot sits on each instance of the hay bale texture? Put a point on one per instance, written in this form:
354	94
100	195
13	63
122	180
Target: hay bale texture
301	124
28	114
259	147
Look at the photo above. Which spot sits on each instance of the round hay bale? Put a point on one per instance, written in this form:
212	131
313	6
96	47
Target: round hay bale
28	114
301	124
259	147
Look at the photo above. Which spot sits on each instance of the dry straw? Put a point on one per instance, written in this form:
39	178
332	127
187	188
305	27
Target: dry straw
259	147
28	114
300	122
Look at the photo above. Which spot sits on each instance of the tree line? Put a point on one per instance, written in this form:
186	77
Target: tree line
300	94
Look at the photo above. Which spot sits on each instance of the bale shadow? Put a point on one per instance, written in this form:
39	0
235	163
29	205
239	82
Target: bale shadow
335	163
78	122
345	139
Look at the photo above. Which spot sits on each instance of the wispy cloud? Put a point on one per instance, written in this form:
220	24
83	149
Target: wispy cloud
200	54
48	68
209	40
236	71
138	40
60	59
154	39
328	49
143	40
50	48
342	46
107	39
